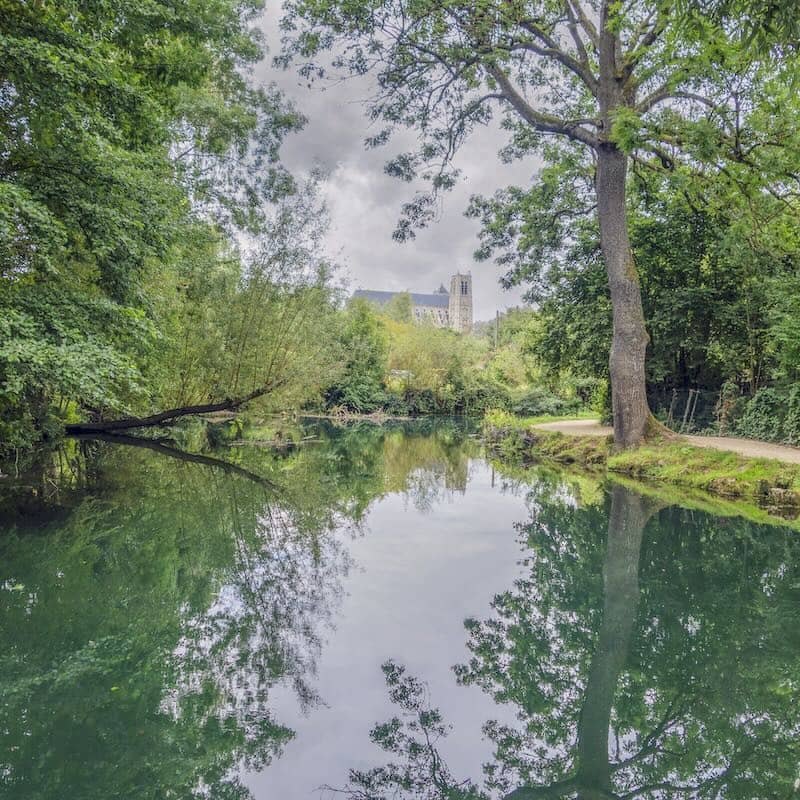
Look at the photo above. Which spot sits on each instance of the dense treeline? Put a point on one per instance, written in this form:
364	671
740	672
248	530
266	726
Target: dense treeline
157	260
399	367
720	290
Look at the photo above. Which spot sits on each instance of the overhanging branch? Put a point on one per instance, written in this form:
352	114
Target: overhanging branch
170	415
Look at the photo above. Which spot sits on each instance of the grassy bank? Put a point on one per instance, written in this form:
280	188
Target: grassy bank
763	481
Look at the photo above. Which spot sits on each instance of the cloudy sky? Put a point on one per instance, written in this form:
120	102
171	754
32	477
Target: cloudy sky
365	203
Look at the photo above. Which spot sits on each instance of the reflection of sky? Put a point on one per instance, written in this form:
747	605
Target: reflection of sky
419	575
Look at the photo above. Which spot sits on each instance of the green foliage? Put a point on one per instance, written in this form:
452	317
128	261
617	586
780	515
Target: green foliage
57	345
418	369
538	402
124	129
791	422
761	416
400	308
364	350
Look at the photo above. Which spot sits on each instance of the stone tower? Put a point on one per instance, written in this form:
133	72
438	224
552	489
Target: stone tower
460	307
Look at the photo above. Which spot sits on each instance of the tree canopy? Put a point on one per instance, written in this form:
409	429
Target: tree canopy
590	87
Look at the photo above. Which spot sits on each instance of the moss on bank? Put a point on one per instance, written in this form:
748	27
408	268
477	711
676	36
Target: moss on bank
765	482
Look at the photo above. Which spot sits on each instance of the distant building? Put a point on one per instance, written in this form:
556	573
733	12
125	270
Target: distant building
444	309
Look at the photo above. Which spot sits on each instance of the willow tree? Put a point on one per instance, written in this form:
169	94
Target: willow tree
617	81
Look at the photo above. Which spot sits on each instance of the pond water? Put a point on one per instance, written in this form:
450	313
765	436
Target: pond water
383	611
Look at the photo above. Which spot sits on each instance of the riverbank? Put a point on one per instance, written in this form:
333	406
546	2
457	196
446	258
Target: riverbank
764	481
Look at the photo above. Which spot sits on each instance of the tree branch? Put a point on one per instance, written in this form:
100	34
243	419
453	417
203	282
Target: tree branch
546	123
554	790
551	49
181	455
666	93
583	55
586	24
168	416
641	43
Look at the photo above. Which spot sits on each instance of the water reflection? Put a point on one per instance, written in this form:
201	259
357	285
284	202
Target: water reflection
153	607
150	603
650	652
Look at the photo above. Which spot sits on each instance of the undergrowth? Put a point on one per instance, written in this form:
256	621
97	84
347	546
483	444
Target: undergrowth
766	481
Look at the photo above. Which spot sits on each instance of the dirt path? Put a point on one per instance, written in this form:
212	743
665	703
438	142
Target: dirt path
744	447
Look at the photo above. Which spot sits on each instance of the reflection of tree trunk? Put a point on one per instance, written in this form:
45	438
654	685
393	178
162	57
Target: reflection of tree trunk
592	780
181	455
629	513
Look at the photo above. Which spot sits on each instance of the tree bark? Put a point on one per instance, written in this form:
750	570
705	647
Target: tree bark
627	358
629	344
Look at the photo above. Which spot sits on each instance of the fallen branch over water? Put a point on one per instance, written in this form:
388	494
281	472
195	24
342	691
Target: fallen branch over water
170	415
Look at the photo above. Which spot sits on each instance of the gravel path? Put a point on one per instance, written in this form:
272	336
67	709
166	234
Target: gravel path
745	447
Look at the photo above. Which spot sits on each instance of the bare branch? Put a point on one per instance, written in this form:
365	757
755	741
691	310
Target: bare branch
546	123
551	49
586	24
583	55
642	42
666	93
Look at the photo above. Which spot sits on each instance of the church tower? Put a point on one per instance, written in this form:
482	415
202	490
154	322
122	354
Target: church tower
460	306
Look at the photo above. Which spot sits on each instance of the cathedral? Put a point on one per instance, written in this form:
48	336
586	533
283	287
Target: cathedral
444	309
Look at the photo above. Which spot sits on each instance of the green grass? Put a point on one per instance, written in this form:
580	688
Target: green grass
764	481
504	418
726	474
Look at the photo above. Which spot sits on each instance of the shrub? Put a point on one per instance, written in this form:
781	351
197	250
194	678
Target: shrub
763	416
538	402
792	421
729	407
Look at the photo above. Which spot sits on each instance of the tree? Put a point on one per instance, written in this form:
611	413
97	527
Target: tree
400	308
127	131
635	81
239	330
364	349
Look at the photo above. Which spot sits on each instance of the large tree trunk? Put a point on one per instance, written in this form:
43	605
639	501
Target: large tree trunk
627	359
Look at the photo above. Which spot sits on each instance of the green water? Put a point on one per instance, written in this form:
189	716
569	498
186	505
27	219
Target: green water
381	610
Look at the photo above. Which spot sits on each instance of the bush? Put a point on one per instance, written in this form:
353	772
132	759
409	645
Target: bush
538	402
791	424
729	407
763	416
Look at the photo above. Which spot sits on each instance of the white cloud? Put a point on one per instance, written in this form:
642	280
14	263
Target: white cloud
365	203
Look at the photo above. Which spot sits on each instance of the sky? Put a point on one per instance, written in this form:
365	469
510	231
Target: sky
365	203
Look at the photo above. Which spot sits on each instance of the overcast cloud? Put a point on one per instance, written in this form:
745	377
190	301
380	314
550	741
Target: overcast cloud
365	203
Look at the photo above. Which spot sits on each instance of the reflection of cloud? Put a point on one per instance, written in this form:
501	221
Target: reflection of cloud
365	202
265	626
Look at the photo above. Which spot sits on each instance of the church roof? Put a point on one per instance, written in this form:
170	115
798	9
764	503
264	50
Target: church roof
437	299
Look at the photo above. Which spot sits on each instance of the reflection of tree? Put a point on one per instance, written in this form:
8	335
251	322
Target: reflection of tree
656	667
424	460
148	612
141	636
